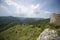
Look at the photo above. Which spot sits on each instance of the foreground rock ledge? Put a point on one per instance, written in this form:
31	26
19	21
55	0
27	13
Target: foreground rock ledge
48	34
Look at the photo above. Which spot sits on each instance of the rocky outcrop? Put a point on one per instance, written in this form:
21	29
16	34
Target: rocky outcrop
55	19
48	34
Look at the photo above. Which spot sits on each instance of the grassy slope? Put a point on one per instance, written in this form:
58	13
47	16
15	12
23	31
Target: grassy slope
25	32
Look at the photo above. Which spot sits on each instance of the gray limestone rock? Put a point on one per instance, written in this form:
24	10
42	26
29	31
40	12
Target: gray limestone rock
55	19
48	34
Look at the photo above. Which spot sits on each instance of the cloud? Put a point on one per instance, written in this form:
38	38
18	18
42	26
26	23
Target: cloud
47	12
6	9
28	11
35	6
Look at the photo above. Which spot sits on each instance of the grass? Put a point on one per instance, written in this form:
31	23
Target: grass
18	32
26	32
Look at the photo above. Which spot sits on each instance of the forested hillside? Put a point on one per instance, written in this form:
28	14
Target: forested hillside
13	28
9	21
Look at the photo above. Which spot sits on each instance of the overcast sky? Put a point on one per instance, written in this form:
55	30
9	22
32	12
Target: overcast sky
29	8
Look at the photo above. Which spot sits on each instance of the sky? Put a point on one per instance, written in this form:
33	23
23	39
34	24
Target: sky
29	8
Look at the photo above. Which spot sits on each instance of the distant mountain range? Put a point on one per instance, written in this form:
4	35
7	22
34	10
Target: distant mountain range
7	19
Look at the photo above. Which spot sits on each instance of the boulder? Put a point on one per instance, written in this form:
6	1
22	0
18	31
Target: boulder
49	34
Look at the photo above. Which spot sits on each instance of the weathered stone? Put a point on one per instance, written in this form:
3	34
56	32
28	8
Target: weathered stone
55	19
49	34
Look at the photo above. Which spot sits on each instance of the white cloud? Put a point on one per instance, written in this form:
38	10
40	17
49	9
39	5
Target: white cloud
6	9
35	6
47	12
29	11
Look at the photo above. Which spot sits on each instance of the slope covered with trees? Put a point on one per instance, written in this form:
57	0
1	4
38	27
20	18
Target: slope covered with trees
13	28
